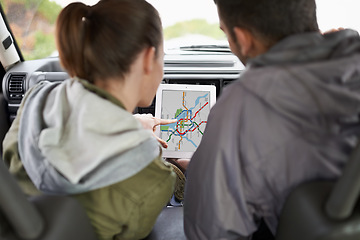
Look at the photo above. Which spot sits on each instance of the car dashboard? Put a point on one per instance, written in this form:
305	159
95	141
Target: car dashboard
180	67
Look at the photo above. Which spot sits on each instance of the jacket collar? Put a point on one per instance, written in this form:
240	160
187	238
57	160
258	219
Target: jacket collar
307	47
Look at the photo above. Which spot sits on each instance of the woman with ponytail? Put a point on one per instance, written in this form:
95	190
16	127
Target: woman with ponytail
80	138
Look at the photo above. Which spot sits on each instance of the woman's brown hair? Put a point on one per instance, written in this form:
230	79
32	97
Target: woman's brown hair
102	41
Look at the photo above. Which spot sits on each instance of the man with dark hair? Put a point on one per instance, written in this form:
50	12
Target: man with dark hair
288	119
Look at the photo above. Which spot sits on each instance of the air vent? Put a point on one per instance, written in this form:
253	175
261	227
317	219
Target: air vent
16	86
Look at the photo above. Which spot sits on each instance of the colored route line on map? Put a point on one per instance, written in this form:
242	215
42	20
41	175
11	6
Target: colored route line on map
200	110
197	126
186	122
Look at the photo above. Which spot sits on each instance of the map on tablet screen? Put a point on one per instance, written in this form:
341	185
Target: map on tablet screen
190	105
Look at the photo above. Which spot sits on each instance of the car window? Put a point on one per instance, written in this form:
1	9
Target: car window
33	23
334	14
185	22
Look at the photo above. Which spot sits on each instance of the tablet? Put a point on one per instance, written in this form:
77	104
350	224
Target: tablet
190	105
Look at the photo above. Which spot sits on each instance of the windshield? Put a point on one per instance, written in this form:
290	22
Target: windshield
186	22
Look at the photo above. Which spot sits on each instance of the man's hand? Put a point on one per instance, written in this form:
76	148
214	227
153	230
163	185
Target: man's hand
333	30
150	122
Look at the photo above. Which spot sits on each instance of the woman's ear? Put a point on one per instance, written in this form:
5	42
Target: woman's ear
149	59
245	39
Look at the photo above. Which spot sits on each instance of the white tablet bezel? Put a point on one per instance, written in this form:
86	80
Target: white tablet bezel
180	87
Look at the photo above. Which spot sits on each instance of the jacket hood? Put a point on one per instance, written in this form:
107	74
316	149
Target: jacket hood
311	79
310	47
73	140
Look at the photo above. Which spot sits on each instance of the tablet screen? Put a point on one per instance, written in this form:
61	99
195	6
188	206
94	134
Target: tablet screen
190	106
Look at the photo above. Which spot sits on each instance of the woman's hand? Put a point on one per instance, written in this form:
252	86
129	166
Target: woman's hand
148	121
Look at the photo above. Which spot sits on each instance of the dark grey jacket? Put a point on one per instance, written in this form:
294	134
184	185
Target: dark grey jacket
287	120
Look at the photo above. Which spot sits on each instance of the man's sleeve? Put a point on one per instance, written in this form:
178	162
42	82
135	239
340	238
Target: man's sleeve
215	198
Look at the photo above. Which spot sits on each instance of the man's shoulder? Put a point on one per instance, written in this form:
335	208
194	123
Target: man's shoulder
253	83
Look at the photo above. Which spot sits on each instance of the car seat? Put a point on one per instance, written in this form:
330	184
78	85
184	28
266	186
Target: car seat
169	225
59	217
324	210
42	217
4	119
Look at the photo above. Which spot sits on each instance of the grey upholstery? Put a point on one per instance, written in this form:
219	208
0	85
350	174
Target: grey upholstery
59	217
23	216
41	218
346	192
4	120
324	210
169	225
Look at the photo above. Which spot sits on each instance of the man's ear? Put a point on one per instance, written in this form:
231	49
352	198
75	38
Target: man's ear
149	59
245	39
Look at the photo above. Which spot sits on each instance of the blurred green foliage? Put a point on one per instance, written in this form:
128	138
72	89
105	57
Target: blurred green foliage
42	42
195	26
46	8
47	11
44	46
50	10
3	4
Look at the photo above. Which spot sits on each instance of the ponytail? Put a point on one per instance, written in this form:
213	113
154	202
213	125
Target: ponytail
70	32
103	40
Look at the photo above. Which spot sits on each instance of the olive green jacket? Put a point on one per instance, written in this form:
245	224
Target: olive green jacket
107	205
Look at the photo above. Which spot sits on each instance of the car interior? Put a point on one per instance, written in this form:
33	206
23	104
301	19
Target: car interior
53	217
321	210
324	209
210	68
